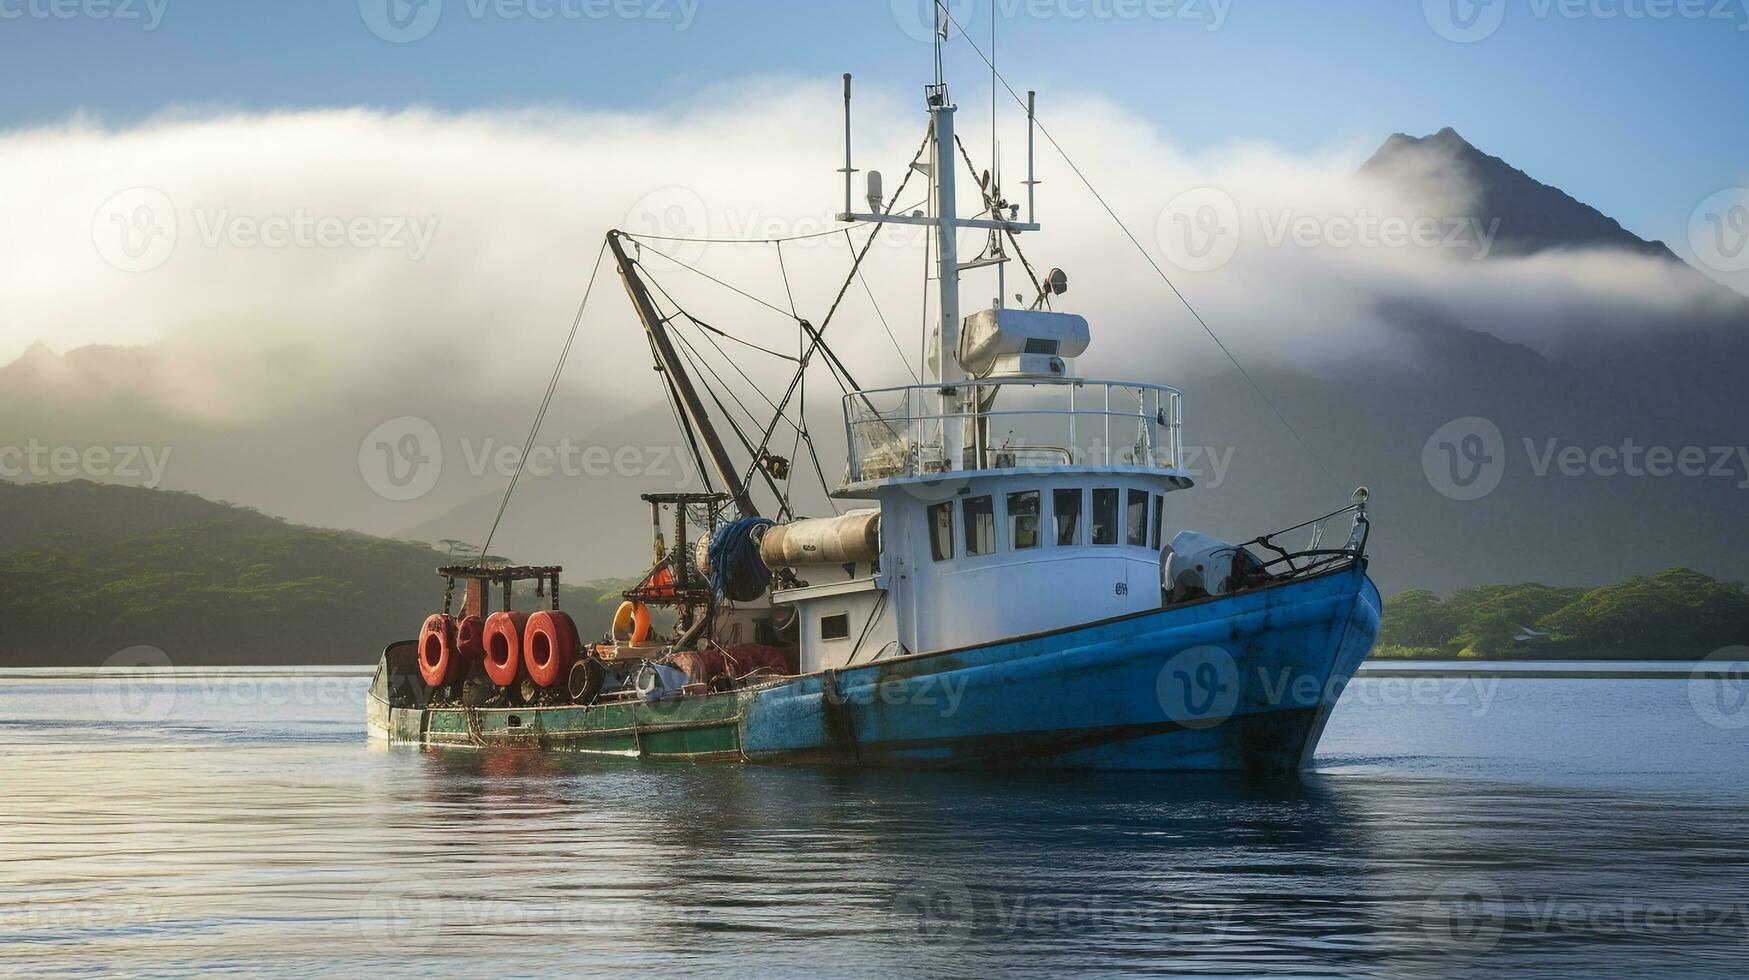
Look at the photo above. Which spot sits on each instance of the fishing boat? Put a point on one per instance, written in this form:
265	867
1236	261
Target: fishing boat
1005	587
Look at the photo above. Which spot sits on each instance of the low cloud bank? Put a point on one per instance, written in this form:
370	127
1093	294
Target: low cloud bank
296	258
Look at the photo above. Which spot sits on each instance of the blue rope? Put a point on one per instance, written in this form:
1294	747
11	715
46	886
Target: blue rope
737	572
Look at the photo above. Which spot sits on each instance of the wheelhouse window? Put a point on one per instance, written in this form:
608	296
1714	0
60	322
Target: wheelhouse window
1136	519
980	525
1023	520
1159	510
835	627
1066	511
1105	516
941	530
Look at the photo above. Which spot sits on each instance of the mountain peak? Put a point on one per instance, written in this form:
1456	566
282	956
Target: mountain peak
1533	216
37	352
1446	140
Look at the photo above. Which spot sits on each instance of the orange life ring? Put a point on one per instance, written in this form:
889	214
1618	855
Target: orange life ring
549	645
437	653
504	646
631	622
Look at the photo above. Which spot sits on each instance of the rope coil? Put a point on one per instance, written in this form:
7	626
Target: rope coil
737	573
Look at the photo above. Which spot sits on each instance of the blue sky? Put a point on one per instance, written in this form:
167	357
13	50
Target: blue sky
1634	106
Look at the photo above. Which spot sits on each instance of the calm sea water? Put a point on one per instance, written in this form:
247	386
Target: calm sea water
1454	827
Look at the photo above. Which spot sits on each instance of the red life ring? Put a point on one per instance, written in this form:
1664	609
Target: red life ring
437	653
503	643
549	645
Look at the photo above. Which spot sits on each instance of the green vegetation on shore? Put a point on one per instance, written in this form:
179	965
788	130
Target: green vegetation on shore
1677	614
88	570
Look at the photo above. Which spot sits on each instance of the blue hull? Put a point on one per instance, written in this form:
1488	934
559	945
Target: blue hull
1243	682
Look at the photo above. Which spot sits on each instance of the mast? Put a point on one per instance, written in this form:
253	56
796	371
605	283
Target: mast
949	372
669	362
941	168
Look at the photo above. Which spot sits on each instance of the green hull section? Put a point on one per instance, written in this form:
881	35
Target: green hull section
705	728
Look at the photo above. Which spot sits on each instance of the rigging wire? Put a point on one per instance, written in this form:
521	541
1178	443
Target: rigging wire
883	317
546	402
686	351
729	336
696	358
742	241
697	271
1255	387
816	336
836	367
781	268
680	311
704	471
815	340
990	204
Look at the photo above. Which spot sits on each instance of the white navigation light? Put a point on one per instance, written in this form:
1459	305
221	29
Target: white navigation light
874	191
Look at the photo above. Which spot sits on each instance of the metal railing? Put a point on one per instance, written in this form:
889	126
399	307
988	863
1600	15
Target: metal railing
1011	424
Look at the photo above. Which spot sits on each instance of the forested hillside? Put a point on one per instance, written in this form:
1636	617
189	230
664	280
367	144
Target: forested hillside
1675	614
87	570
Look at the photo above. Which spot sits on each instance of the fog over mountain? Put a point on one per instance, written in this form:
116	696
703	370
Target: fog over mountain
263	374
